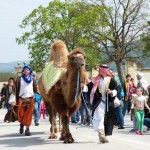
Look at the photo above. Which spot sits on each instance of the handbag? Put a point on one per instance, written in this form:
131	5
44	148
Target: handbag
11	115
116	102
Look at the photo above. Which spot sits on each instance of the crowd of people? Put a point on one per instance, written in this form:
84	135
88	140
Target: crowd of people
97	106
100	94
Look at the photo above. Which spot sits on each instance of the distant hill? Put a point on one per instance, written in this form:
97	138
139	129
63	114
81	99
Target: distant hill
10	67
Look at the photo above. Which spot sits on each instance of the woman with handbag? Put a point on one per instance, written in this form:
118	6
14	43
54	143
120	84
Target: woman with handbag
118	102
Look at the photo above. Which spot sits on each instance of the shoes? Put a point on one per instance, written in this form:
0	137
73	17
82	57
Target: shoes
21	128
36	124
132	130
142	133
137	131
90	124
74	121
27	132
121	128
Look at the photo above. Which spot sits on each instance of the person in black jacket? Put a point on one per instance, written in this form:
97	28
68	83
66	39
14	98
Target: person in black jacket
3	93
10	88
102	91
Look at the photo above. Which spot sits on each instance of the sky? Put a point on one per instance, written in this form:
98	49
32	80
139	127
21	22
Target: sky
12	12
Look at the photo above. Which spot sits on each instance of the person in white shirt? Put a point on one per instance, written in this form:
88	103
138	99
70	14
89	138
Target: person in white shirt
25	88
142	83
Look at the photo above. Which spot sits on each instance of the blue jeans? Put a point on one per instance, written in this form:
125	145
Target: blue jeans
75	116
125	106
119	115
37	106
8	106
147	122
85	114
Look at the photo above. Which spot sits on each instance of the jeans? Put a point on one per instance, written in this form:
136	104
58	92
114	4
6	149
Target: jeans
75	116
8	106
119	115
125	106
85	113
147	122
37	106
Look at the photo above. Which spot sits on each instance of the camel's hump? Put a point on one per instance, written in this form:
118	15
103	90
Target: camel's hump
59	54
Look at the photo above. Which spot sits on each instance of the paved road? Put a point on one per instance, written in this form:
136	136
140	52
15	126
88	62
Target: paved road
85	138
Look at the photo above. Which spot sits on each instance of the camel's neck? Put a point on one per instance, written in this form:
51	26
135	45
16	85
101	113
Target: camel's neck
71	86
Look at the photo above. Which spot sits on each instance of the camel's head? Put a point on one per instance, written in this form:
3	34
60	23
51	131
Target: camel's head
77	57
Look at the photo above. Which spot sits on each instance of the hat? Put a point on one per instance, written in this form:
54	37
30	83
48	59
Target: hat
139	75
28	67
34	73
103	66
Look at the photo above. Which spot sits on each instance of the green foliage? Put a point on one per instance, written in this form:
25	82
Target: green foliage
70	21
145	38
4	76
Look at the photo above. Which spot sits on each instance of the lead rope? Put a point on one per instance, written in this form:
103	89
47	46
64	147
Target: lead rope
78	82
107	103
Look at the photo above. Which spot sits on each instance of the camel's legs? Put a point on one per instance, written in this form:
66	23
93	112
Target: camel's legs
52	120
66	135
53	128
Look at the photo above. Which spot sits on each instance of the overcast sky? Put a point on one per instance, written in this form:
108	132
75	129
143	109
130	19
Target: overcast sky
12	12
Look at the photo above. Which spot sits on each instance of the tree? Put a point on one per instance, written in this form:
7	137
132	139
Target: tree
146	42
128	21
70	21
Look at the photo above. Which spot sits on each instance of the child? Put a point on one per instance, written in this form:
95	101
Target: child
43	108
138	103
132	90
37	105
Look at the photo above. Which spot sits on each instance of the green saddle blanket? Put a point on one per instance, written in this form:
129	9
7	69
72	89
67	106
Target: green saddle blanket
51	75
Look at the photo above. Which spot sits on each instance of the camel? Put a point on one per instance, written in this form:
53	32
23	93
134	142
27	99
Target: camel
64	93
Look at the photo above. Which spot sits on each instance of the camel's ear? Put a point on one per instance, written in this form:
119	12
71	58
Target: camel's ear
70	57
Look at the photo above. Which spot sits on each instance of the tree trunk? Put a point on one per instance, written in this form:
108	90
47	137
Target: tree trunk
120	72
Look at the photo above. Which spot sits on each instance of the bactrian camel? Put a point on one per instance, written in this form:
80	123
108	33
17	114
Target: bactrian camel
59	85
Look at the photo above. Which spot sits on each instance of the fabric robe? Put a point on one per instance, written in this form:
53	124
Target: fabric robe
109	116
